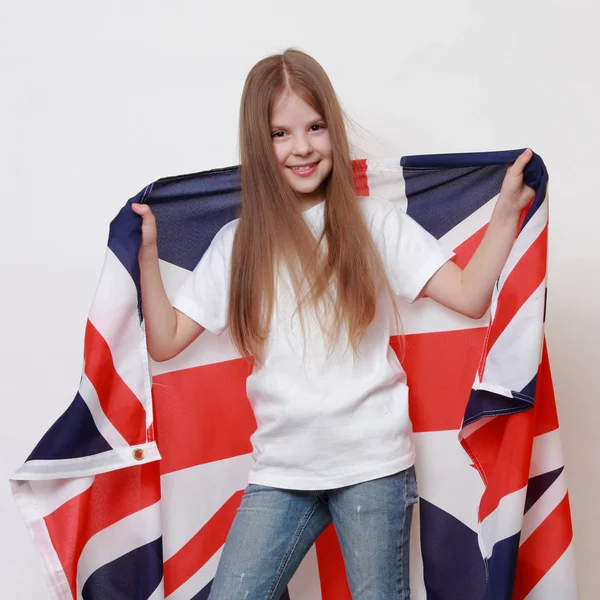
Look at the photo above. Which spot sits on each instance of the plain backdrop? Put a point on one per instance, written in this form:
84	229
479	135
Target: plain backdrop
100	98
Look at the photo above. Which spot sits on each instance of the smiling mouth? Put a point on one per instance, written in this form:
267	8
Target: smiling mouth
304	170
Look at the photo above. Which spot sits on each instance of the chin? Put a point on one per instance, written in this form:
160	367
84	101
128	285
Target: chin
306	189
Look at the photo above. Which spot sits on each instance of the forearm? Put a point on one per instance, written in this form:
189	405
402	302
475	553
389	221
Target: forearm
470	291
159	315
484	268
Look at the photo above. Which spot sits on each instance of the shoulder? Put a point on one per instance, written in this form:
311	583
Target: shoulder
225	236
377	210
228	230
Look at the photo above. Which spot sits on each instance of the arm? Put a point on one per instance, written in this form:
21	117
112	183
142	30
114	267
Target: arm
168	331
469	291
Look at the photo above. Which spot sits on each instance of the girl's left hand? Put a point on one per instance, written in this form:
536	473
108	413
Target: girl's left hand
515	194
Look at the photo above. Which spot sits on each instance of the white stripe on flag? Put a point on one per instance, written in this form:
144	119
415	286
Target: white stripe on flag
114	314
110	543
386	181
546	454
173	277
503	522
192	496
105	427
514	359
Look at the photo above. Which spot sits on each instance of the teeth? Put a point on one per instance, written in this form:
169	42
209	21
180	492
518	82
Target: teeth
306	168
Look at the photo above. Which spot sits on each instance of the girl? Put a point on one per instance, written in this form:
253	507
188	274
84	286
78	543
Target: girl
305	282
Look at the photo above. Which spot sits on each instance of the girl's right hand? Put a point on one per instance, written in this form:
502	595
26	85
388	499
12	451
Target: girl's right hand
148	224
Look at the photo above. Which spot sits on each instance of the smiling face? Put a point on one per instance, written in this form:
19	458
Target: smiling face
302	147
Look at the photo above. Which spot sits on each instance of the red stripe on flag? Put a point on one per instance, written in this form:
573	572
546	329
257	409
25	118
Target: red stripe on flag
501	451
202	414
361	180
546	417
465	251
112	497
540	551
120	405
441	368
201	547
332	573
524	279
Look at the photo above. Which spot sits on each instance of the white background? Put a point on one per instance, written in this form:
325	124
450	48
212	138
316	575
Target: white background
100	98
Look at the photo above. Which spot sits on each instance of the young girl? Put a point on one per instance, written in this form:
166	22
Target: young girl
305	282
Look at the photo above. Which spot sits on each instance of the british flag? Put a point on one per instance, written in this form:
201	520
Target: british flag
132	491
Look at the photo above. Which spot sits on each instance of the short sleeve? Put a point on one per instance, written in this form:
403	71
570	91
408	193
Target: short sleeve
410	253
204	295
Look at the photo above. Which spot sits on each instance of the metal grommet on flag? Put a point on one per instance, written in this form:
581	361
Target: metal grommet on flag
138	454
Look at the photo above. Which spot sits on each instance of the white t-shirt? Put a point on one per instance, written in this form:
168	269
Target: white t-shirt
324	424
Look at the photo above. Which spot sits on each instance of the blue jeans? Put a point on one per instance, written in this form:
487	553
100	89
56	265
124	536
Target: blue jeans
275	528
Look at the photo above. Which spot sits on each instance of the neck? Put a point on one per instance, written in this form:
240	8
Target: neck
307	201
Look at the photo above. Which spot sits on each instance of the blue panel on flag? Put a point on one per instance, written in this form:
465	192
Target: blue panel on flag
459	571
538	485
203	593
73	435
463	159
420	167
125	577
205	203
483	403
440	198
529	390
502	566
125	236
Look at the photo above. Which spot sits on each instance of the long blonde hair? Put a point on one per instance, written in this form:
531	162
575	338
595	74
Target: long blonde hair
271	230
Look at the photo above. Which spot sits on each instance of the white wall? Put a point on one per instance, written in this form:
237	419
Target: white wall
100	98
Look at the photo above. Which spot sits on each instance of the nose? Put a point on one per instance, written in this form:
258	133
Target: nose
302	146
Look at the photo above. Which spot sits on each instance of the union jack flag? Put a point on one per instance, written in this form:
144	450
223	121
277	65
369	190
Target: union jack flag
132	491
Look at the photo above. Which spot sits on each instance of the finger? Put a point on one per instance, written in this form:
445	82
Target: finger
529	192
523	159
143	210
